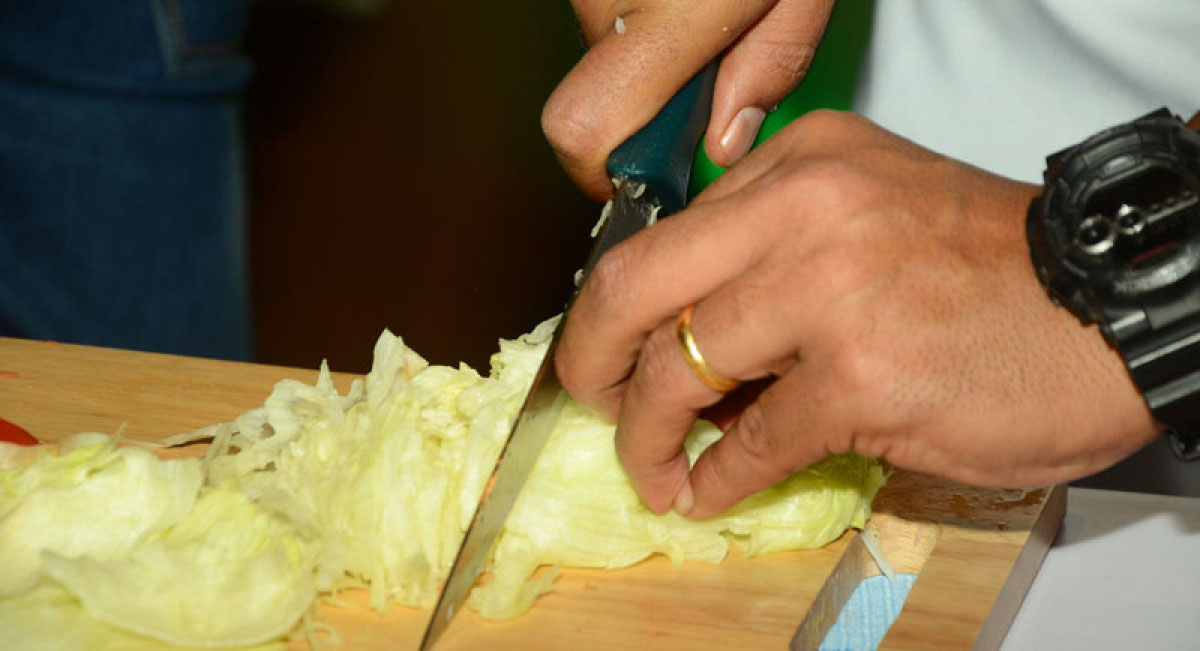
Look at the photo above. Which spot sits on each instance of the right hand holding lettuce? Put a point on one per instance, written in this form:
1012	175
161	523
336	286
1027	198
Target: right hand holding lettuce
882	299
631	71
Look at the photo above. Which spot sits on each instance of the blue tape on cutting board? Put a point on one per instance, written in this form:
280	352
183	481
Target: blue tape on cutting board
872	608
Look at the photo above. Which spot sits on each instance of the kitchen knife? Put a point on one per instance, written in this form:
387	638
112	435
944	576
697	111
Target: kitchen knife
651	172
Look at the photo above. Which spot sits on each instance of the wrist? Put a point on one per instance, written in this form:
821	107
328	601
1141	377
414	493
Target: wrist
1115	238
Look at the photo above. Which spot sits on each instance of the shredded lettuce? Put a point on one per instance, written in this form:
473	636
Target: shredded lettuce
316	492
99	500
142	546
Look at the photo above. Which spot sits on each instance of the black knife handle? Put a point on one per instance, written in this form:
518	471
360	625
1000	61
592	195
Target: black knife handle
660	154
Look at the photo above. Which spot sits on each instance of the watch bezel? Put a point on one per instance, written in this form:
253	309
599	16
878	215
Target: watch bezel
1090	285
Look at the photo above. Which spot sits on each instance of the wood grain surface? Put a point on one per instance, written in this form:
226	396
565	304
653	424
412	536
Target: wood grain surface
975	550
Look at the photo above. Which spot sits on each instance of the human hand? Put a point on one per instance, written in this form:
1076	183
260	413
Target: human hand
878	297
625	78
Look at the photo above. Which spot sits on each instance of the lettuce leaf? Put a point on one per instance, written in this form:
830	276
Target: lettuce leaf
49	617
229	574
97	501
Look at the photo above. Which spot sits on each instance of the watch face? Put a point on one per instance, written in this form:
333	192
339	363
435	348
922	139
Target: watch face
1137	235
1121	214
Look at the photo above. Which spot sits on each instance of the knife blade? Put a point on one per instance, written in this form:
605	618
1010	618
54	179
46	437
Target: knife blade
651	171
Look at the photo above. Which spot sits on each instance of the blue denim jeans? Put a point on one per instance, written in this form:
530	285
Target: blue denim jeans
122	215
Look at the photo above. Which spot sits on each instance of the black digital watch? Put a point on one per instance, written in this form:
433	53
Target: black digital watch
1115	238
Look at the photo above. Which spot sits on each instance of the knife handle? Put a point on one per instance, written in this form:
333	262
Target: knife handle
660	153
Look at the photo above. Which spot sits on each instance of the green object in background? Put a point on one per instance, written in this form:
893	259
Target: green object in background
830	81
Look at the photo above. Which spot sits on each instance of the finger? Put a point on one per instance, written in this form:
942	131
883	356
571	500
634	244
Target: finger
625	78
733	403
759	70
661	402
643	283
812	136
795	423
743	333
760	169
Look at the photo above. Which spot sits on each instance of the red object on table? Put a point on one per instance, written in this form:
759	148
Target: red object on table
11	433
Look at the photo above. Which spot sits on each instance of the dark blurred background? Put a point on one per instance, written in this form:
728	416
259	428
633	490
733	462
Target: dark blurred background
399	177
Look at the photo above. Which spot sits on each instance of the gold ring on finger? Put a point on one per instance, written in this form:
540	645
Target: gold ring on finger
691	354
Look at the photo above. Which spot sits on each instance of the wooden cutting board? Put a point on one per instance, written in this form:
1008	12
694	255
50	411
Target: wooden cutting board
975	551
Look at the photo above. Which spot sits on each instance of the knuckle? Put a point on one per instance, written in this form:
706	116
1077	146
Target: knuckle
576	370
657	362
571	127
831	186
880	447
757	437
842	271
837	132
568	134
859	370
609	289
595	18
783	61
837	180
822	120
831	120
571	374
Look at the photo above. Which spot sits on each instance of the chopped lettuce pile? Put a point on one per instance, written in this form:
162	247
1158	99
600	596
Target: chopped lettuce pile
109	547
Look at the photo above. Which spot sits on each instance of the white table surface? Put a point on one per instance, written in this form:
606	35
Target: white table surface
1123	573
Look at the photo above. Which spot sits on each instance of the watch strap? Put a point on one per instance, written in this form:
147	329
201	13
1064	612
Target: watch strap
1164	366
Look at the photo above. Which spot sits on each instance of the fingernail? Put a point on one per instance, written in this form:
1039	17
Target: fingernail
684	500
740	133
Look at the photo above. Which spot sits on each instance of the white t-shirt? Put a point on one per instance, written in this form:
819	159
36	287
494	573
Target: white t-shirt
1003	83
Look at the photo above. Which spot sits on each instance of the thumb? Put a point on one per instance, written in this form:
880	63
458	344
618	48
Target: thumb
632	69
761	68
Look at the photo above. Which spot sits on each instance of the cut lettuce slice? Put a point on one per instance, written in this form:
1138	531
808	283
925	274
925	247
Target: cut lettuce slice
579	509
229	574
96	501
